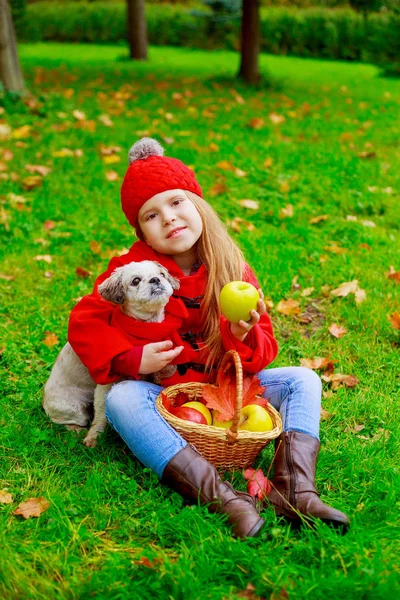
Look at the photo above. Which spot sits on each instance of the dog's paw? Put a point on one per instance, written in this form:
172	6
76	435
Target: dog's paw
90	440
76	428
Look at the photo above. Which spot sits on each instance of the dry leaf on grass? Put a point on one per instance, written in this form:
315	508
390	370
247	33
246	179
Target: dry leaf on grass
349	287
315	220
338	379
258	485
51	339
288	307
252	204
41	169
33	507
31	182
5	497
337	330
395	320
326	364
286	211
392	274
325	415
45	257
81	272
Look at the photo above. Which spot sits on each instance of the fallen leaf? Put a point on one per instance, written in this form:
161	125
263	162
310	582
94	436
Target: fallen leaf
41	169
251	204
146	562
51	339
344	289
366	154
112	176
33	507
239	172
218	188
285	188
360	296
5	497
337	379
111	159
258	485
288	307
286	211
327	364
225	166
307	292
368	223
31	182
277	119
105	119
79	115
45	257
392	274
268	162
48	225
95	247
256	123
337	330
395	320
335	249
213	147
22	132
81	272
325	415
7	277
237	223
315	220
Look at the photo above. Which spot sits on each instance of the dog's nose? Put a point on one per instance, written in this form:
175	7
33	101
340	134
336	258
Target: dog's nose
155	280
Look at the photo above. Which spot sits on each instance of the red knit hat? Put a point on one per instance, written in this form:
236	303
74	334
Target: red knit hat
150	173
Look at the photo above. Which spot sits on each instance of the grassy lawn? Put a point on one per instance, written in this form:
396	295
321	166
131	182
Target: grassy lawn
321	137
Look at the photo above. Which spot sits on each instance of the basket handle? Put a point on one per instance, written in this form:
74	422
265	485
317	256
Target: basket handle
233	356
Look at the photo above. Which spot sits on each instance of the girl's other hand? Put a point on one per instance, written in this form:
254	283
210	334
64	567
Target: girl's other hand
241	329
157	355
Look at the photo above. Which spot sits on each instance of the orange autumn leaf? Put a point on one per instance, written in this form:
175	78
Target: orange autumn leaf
40	169
256	123
288	307
258	485
395	320
337	330
112	176
338	379
392	274
51	339
315	220
33	507
81	272
286	211
218	188
225	166
327	364
31	182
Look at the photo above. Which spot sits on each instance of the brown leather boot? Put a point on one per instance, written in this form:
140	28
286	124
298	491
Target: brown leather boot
194	478
293	485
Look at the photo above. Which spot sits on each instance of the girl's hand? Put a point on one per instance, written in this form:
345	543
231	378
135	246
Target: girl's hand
241	329
157	355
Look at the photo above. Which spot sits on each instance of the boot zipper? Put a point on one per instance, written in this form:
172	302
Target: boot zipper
289	464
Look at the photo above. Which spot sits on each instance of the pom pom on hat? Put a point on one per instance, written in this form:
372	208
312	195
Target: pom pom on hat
150	173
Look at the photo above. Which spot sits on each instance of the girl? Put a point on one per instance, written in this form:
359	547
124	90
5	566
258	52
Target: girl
176	227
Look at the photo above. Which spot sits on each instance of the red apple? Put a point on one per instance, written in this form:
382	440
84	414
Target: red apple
189	414
237	299
201	408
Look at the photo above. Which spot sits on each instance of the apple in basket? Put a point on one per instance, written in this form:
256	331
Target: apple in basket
189	414
201	408
252	418
237	299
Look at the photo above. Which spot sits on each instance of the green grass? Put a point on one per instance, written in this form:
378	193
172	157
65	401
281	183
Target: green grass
106	510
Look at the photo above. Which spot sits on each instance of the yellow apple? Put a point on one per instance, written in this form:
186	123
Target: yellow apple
237	299
201	408
222	424
254	417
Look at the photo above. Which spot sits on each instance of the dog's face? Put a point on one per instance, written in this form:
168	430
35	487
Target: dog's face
142	287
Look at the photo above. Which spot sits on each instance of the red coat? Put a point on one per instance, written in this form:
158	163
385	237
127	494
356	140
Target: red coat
97	342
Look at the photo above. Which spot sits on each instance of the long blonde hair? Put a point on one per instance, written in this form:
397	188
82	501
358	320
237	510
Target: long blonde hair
224	262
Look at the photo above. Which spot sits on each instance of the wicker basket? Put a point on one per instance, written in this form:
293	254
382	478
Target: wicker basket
225	448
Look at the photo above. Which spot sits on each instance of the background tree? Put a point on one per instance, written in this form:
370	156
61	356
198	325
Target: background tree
365	6
250	41
10	70
137	30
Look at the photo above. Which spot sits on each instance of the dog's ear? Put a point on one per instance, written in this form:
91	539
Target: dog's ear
112	289
175	284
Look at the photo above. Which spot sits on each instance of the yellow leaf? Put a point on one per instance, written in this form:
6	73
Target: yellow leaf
268	162
31	182
45	257
51	339
277	119
5	497
79	115
288	307
318	219
285	187
111	159
251	204
286	211
22	132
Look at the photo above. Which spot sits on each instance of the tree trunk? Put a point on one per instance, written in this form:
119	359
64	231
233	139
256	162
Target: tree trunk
250	42
137	30
10	71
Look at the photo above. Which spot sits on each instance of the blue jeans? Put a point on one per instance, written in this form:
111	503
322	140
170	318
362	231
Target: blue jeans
131	410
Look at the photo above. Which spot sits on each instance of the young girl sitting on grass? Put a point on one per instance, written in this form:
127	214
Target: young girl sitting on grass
176	227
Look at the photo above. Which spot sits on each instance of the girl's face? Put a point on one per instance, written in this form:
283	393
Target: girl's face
170	223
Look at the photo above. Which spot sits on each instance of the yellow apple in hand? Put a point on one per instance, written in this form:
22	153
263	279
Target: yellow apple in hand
254	417
201	408
237	299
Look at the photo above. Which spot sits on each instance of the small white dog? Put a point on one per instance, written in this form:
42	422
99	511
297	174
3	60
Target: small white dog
143	290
